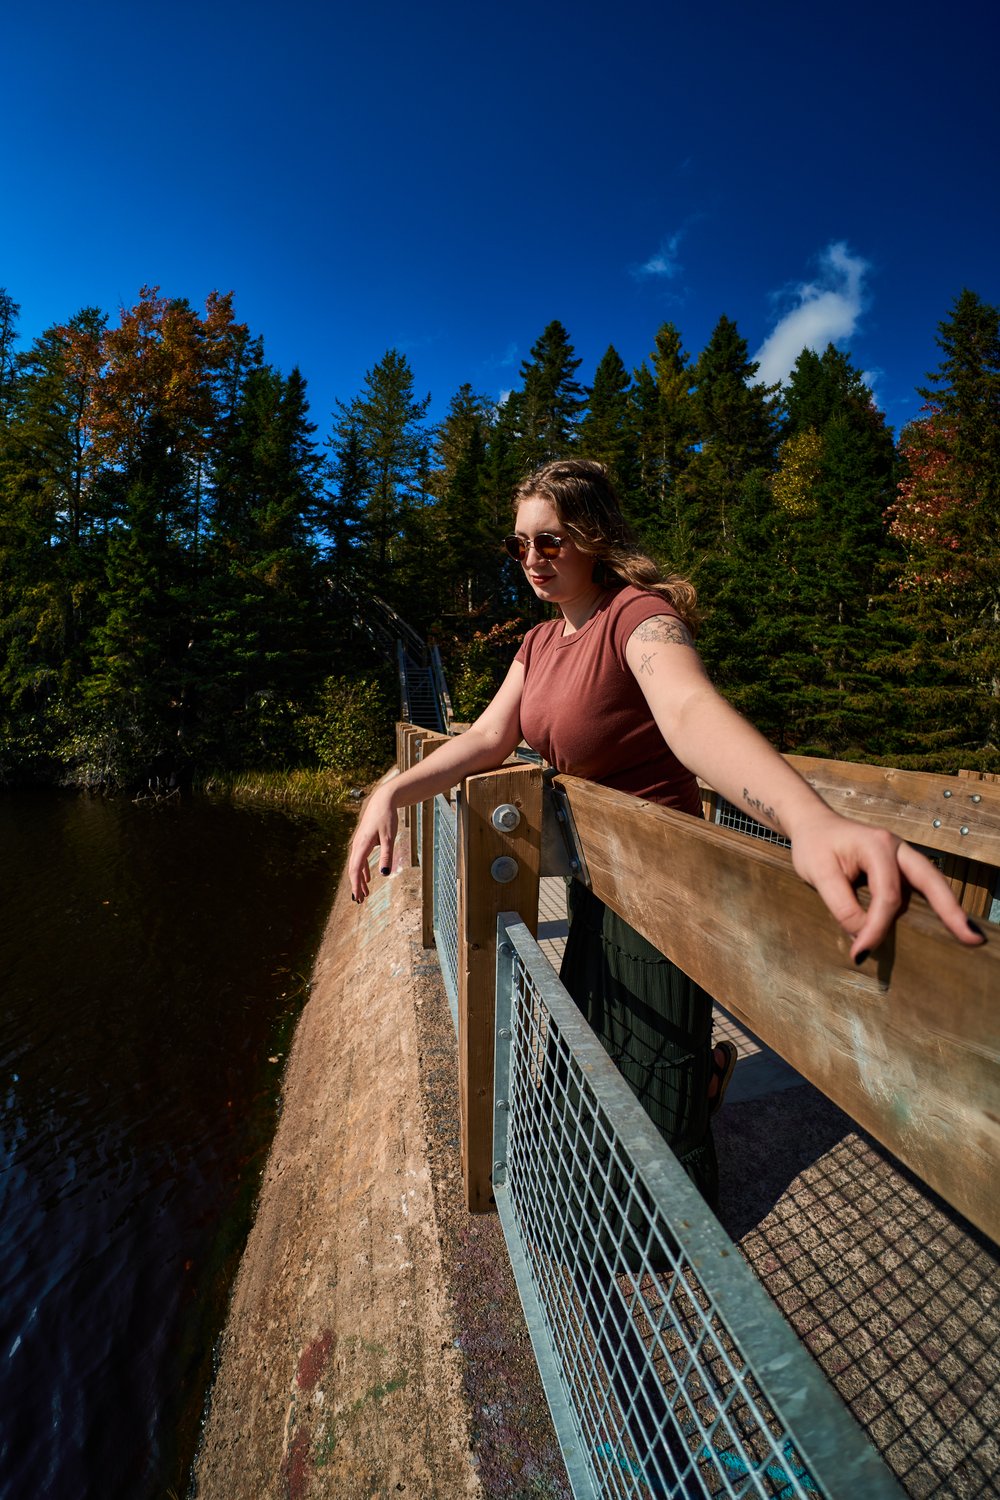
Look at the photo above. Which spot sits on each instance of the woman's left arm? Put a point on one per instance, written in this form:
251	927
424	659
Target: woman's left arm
830	852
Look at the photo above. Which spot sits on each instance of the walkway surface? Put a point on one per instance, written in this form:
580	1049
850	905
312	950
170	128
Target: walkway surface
895	1294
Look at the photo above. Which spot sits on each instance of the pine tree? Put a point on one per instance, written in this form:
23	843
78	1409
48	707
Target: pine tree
9	314
666	434
811	559
547	408
469	548
501	473
339	512
51	546
736	421
389	420
946	516
606	430
264	649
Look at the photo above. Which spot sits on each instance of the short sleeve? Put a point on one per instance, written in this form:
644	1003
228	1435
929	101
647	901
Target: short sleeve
631	613
523	654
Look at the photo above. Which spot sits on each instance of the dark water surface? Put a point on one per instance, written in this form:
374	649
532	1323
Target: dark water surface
152	963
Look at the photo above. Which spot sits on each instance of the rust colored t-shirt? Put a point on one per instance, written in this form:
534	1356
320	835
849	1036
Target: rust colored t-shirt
583	710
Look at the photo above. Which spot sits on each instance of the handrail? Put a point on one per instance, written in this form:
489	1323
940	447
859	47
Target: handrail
440	685
908	1045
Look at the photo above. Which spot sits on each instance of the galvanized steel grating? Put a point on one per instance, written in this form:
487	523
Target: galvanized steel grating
446	897
668	1370
729	816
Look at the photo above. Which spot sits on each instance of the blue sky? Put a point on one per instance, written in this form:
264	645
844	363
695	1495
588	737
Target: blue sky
447	179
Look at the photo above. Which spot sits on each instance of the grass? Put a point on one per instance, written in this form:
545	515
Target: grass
312	788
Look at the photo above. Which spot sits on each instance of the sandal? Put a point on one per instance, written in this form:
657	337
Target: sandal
722	1073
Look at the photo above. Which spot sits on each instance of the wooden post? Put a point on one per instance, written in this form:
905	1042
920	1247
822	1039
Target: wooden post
408	735
486	888
972	880
413	812
426	814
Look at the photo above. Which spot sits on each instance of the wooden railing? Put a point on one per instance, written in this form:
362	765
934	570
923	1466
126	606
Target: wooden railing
908	1044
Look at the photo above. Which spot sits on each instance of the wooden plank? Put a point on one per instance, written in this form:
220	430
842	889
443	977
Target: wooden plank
429	745
922	807
908	1045
480	899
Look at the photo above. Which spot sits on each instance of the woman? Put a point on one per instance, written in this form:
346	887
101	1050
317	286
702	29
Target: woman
613	690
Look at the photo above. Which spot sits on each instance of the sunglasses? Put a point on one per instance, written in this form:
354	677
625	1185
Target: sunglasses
546	544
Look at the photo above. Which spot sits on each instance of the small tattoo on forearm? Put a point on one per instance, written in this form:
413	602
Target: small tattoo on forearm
646	665
761	808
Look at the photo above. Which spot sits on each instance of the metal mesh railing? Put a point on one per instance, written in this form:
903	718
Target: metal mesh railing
727	815
446	897
668	1370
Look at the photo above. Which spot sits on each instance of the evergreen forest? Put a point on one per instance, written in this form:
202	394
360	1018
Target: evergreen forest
186	555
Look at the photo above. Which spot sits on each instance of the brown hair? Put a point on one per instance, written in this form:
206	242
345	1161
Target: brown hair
587	505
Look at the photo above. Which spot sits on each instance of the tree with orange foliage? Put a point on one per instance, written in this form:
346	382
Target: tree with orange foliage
947	518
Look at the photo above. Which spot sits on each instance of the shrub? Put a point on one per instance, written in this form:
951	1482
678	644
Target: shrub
351	730
478	668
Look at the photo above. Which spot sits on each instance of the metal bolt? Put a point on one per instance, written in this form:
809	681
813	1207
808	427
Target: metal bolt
504	1034
505	949
505	818
937	822
574	865
504	869
498	1166
947	794
976	797
965	829
503	1104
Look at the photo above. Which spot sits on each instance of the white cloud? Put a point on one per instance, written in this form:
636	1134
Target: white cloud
664	262
505	360
826	311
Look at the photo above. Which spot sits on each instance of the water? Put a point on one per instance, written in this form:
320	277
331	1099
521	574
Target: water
152	963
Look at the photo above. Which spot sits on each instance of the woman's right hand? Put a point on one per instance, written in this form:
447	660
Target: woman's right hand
376	829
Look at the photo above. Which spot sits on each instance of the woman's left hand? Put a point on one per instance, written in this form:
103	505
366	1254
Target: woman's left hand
835	855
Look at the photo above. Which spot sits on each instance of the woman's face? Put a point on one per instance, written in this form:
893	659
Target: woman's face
557	580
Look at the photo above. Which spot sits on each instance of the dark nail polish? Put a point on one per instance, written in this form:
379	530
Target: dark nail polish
975	927
385	870
860	958
353	897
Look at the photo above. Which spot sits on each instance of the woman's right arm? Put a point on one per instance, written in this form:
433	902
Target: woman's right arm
485	745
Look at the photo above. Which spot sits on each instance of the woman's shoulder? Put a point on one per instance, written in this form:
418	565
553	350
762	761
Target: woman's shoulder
639	604
535	637
629	608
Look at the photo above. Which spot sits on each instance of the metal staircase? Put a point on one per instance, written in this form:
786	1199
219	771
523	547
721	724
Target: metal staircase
423	690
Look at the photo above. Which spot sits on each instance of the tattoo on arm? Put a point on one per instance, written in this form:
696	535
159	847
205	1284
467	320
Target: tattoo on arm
664	629
646	665
761	808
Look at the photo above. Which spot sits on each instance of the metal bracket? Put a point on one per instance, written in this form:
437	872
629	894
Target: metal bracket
561	853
